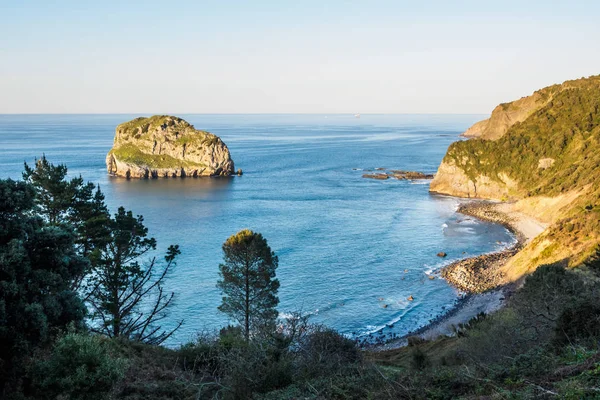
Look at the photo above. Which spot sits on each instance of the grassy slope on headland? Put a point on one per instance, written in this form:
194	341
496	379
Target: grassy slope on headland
550	165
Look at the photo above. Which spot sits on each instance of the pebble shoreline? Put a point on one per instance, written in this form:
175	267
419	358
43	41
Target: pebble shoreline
482	273
472	276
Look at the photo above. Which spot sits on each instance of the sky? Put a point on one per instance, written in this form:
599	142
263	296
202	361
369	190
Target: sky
260	56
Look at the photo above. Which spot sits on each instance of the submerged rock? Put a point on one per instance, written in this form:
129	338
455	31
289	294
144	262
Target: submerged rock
163	146
441	254
397	174
376	176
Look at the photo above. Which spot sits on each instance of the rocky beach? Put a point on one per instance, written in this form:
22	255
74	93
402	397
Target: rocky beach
483	286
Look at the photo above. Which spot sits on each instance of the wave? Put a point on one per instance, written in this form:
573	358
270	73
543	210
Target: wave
420	182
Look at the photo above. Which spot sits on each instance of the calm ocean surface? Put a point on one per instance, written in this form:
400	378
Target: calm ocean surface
343	242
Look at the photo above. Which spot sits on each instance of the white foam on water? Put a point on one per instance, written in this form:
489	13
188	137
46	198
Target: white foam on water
420	182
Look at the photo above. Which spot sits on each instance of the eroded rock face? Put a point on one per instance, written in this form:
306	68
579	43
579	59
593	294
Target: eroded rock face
452	180
165	147
506	115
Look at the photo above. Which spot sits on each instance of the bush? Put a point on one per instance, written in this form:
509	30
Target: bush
581	321
253	369
418	359
203	354
79	367
325	351
534	363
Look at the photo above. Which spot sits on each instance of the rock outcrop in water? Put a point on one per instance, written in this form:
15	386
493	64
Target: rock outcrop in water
397	174
165	146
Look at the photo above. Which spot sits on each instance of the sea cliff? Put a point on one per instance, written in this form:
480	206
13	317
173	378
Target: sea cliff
538	156
166	146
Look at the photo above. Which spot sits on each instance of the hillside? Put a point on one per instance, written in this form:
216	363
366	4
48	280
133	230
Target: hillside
166	146
541	154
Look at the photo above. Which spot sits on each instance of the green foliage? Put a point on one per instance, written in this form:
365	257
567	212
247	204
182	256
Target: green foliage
419	359
72	204
580	321
38	264
247	280
131	154
80	366
531	319
144	124
593	263
324	351
253	368
128	299
534	363
567	130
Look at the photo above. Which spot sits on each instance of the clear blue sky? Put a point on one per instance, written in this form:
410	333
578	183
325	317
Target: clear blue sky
293	57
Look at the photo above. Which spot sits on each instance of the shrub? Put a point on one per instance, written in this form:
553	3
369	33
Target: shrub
203	354
79	367
325	351
536	362
418	359
251	368
577	322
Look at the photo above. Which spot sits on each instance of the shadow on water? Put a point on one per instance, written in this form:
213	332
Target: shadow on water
166	196
204	187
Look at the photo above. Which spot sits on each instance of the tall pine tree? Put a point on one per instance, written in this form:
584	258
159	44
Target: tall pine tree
248	282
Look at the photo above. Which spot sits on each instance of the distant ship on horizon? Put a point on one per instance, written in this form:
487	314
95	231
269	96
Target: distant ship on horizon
356	115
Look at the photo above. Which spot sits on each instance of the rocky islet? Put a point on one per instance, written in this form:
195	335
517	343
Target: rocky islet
167	147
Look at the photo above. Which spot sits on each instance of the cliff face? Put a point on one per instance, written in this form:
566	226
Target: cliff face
165	146
506	115
545	146
452	180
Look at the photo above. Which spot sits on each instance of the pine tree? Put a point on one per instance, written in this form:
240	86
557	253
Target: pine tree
128	299
38	264
73	204
248	282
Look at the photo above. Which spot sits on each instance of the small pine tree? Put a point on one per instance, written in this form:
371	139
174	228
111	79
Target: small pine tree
248	282
72	204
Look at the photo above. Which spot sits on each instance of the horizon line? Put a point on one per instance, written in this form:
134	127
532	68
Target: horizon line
241	113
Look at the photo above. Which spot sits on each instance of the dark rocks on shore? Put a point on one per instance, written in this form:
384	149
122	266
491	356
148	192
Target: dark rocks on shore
481	273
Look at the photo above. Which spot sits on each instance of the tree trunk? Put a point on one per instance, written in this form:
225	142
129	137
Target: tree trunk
247	311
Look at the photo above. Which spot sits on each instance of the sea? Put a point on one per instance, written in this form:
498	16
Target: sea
351	250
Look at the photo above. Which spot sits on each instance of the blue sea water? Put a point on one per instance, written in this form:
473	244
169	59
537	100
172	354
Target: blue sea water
351	250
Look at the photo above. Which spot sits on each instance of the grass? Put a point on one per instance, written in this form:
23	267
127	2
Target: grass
149	123
142	128
130	154
566	129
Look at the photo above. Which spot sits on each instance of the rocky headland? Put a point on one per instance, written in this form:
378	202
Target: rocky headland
539	158
534	167
164	146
